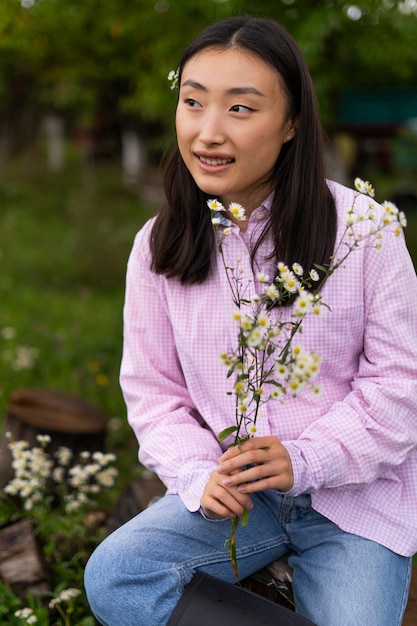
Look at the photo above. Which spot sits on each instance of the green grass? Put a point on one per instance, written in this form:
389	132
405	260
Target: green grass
64	242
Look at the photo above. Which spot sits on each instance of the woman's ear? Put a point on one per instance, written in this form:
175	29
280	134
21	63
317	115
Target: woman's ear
291	130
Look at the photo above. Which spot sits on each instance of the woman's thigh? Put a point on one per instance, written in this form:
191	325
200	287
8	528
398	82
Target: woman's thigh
343	579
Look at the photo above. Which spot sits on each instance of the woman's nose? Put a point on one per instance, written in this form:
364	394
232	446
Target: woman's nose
212	129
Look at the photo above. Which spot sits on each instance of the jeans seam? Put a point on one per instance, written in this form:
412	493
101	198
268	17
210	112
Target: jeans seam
210	558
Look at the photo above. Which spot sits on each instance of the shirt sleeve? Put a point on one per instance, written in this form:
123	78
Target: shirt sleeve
172	439
374	429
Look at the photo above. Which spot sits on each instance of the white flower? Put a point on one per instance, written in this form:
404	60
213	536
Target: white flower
369	189
255	338
215	205
402	219
246	322
25	358
297	269
290	282
303	303
281	369
314	275
276	393
65	596
360	185
107	477
262	277
237	211
26	615
8	332
272	292
363	186
173	78
263	319
43	439
104	459
58	474
351	217
64	455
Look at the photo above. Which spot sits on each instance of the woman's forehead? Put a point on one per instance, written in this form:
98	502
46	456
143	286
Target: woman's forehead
230	67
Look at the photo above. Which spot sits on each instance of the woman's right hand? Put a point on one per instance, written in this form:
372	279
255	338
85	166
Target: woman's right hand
219	501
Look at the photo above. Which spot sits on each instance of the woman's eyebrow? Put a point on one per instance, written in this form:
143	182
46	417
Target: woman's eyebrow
233	91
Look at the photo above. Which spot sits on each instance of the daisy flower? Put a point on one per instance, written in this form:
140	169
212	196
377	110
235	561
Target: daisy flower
237	211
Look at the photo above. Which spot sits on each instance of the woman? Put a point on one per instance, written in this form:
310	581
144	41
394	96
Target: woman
328	479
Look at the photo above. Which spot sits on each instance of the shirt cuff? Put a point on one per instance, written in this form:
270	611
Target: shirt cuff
307	469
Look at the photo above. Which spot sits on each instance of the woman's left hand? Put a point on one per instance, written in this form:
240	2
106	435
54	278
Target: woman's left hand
259	463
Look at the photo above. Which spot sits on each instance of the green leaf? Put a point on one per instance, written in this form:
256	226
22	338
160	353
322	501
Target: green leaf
245	518
226	433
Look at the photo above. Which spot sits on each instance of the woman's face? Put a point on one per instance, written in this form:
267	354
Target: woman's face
232	119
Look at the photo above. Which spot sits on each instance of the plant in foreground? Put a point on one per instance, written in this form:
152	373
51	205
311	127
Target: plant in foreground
60	496
268	362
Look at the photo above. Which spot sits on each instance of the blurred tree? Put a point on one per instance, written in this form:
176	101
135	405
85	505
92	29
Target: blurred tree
98	62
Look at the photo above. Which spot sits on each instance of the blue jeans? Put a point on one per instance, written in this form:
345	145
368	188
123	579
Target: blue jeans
136	576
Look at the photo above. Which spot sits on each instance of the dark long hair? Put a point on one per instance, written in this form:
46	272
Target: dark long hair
303	216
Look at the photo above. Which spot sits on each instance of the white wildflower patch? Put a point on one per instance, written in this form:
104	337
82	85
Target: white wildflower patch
35	470
8	333
67	595
26	615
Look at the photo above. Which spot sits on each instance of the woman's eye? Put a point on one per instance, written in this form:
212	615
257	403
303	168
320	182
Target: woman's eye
240	108
192	103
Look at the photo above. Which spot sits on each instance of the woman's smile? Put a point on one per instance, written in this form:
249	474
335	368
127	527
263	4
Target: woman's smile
232	119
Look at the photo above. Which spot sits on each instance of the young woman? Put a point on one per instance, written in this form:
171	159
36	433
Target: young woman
329	479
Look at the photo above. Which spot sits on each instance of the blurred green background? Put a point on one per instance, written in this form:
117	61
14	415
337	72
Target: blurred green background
85	118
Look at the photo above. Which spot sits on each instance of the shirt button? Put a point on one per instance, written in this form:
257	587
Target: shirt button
260	215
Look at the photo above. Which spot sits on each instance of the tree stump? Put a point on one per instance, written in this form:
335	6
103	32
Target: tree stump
21	564
69	420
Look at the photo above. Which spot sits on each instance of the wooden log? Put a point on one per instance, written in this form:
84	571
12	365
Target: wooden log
21	563
69	420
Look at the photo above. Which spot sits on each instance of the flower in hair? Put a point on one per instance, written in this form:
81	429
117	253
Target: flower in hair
173	78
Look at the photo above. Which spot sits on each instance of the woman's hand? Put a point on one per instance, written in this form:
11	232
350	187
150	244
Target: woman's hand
219	501
259	463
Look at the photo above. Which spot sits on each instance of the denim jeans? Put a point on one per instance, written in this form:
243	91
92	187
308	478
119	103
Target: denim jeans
136	575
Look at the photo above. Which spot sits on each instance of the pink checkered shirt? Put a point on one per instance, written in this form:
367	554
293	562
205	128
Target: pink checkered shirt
353	447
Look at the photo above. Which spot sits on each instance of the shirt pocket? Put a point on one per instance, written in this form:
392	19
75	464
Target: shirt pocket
337	336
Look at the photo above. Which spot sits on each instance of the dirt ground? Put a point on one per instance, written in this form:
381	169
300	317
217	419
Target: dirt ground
410	617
